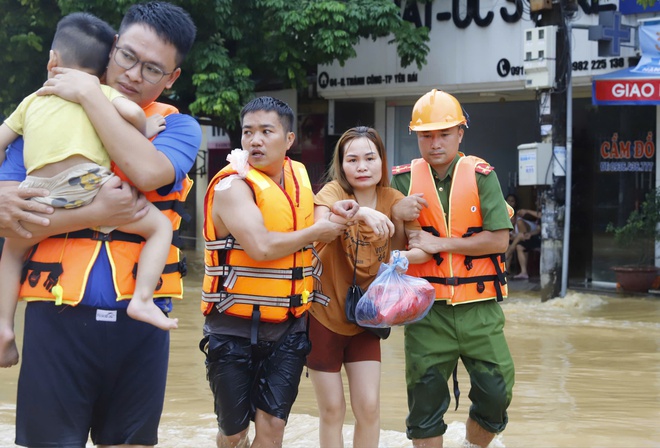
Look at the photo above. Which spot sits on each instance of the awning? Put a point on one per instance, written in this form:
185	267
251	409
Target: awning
626	88
634	86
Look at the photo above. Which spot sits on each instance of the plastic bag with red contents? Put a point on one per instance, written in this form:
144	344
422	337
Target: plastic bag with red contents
394	298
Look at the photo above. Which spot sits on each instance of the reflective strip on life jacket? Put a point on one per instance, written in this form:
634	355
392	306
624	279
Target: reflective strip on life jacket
226	300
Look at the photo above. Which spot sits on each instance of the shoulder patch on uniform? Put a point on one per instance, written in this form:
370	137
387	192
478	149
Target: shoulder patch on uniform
483	168
401	169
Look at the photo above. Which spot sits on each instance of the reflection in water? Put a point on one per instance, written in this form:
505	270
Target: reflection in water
587	375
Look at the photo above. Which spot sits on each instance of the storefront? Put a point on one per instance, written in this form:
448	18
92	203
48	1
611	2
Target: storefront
626	148
477	54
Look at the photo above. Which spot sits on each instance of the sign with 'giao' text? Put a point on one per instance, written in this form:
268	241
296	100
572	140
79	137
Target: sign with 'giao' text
639	85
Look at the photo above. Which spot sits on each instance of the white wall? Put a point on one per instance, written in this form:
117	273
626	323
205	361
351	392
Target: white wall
461	60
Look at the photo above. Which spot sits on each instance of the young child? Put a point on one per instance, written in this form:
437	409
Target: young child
64	155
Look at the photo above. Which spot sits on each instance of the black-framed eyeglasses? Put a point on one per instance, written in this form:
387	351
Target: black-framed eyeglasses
150	72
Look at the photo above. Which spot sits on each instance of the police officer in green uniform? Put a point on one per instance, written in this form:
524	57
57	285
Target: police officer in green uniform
466	222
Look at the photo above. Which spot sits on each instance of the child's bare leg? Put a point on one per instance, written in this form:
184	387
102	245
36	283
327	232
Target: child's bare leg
156	229
11	265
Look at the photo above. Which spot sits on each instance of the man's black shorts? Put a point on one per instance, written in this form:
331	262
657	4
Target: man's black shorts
86	369
245	378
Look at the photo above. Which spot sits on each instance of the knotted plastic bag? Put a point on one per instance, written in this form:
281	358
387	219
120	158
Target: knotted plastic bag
238	158
394	298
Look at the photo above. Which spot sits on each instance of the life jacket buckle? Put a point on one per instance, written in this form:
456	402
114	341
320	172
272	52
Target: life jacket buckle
229	243
451	281
33	278
53	277
183	267
295	300
50	282
297	273
100	236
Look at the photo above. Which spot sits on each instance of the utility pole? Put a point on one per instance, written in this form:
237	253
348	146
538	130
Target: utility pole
553	204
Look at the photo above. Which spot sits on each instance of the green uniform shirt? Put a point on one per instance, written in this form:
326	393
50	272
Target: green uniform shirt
493	206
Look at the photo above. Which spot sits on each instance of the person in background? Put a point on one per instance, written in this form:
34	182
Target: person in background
512	200
358	172
527	238
259	229
467	224
106	371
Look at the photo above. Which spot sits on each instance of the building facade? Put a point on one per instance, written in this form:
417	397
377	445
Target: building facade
478	53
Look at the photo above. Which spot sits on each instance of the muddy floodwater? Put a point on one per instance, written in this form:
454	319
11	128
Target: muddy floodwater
587	375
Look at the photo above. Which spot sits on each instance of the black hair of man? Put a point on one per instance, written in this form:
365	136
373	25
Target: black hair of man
83	41
171	23
270	104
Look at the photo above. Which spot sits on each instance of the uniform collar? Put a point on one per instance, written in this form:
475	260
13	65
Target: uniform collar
450	170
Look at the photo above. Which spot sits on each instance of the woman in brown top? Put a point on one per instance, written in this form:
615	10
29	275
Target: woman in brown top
359	172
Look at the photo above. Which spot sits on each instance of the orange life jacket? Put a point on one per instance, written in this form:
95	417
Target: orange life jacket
67	259
457	278
238	285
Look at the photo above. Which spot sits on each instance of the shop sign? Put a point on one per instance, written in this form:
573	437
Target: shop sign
639	85
473	43
627	155
627	91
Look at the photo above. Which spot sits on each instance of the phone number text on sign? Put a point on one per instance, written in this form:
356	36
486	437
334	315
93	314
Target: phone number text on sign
598	64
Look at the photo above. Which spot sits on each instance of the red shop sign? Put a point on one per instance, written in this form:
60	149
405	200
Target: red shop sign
626	91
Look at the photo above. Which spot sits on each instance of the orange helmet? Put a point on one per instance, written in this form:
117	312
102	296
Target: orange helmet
437	110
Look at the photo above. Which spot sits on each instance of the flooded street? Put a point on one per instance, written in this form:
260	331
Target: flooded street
587	375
